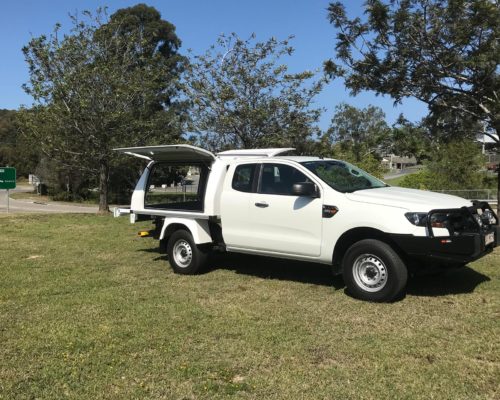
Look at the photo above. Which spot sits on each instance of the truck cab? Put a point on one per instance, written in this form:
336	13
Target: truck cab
267	202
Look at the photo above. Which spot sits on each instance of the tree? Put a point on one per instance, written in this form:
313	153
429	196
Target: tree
444	53
109	83
409	139
242	97
358	136
453	165
14	150
362	130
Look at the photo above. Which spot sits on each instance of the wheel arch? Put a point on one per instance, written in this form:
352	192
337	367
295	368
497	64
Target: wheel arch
198	229
348	238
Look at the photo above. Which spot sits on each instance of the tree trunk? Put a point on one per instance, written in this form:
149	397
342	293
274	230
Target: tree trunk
496	126
103	186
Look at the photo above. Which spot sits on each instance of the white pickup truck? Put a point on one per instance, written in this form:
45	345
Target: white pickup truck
313	209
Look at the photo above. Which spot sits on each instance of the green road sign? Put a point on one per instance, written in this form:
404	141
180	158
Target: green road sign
7	178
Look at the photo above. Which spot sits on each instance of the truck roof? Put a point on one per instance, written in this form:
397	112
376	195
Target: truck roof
300	159
189	153
273	152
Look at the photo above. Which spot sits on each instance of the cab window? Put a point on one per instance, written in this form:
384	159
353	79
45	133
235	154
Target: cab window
279	179
244	177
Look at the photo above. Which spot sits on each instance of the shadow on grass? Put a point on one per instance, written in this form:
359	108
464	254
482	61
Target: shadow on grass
457	281
275	268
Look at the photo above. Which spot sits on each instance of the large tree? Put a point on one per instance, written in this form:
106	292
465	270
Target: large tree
443	52
358	136
110	82
410	139
361	131
242	96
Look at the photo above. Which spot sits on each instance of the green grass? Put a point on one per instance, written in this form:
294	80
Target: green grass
394	181
90	311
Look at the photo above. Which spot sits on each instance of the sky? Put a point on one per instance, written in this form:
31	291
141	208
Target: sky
198	24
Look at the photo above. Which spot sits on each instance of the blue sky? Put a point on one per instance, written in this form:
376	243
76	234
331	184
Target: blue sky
198	24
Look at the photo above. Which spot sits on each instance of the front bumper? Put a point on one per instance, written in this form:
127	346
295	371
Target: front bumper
473	232
447	249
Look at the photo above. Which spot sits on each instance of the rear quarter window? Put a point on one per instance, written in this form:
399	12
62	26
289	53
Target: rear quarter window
244	177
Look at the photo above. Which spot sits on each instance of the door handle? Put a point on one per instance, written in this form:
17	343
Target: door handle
261	204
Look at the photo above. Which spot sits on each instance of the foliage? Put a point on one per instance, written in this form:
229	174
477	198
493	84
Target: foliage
14	150
409	139
457	165
453	165
444	53
61	183
109	83
242	97
361	131
369	162
422	180
359	136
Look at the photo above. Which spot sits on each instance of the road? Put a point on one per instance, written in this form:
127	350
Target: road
22	206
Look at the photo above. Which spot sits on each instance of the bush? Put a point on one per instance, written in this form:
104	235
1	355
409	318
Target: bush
454	165
423	180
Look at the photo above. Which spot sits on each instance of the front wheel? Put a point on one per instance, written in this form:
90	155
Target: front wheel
183	254
373	271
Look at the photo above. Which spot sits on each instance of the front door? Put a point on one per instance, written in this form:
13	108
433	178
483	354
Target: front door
270	217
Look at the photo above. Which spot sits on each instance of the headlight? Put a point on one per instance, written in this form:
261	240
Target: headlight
418	219
438	220
477	217
488	217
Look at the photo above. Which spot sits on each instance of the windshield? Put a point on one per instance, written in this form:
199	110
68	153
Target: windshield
342	176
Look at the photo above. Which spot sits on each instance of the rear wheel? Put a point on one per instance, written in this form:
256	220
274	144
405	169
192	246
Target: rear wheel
183	254
373	271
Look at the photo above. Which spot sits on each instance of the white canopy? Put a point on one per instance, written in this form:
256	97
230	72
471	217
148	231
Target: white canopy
186	152
175	152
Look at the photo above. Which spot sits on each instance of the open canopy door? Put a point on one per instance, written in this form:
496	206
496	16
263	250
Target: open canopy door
175	152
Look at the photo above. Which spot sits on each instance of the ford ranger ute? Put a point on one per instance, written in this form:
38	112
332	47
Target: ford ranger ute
313	209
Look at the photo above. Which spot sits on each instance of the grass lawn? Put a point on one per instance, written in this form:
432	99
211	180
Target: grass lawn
90	311
394	181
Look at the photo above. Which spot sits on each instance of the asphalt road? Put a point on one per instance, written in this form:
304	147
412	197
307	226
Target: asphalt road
22	206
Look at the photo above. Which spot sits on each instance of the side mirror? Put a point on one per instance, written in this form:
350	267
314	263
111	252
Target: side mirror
304	189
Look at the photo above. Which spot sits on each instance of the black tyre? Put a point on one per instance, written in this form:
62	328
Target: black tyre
373	271
183	254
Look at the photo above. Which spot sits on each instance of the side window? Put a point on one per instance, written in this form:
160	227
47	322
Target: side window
243	177
280	178
179	186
